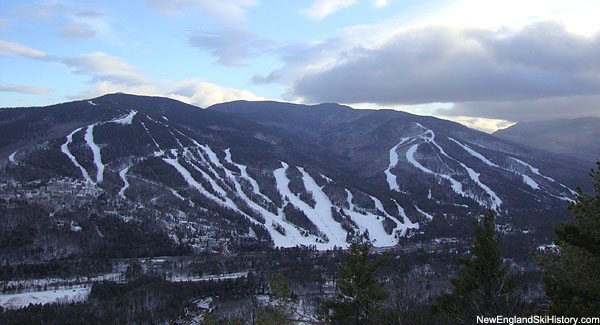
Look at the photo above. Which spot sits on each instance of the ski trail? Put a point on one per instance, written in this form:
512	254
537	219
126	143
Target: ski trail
427	215
89	138
390	177
526	179
127	119
244	175
292	235
192	182
537	172
65	149
406	224
150	135
322	210
11	158
495	200
476	154
410	156
123	175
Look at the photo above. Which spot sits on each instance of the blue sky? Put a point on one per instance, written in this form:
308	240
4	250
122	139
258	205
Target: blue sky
482	63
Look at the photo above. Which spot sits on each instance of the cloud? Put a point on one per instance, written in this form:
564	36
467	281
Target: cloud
6	87
112	74
231	46
441	64
75	30
104	67
10	48
529	110
73	20
229	39
323	8
483	124
226	11
192	91
380	3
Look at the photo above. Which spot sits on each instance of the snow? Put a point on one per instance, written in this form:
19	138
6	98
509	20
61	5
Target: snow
225	276
391	178
410	156
11	158
24	299
192	182
427	215
537	172
475	154
65	149
292	235
92	103
123	174
89	138
429	196
322	211
151	137
407	224
495	200
527	180
327	179
127	119
320	215
368	222
244	175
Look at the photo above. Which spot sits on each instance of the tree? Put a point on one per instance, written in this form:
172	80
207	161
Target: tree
280	311
486	285
360	292
572	269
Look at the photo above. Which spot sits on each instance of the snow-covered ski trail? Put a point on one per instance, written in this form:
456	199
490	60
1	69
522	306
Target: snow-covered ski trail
65	149
89	139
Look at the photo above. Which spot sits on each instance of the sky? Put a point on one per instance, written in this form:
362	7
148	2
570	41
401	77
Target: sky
486	64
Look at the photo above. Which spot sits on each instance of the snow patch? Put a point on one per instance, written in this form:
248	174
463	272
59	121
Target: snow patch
20	300
11	158
127	119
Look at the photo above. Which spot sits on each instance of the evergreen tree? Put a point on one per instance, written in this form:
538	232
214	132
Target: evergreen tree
572	269
486	285
360	292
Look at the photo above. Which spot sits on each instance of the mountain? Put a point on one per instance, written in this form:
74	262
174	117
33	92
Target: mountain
574	137
123	175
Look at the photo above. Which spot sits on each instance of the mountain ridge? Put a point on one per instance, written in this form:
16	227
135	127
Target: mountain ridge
573	137
301	175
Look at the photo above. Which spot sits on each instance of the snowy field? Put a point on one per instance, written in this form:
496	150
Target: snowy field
24	299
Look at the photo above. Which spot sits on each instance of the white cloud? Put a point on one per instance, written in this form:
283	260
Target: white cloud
104	67
7	87
192	91
112	74
323	8
380	3
8	48
479	123
75	30
225	11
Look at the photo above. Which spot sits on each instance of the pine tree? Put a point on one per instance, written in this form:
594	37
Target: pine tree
360	292
486	285
572	269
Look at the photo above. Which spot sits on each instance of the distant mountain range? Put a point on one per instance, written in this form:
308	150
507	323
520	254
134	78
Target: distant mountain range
123	175
574	137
